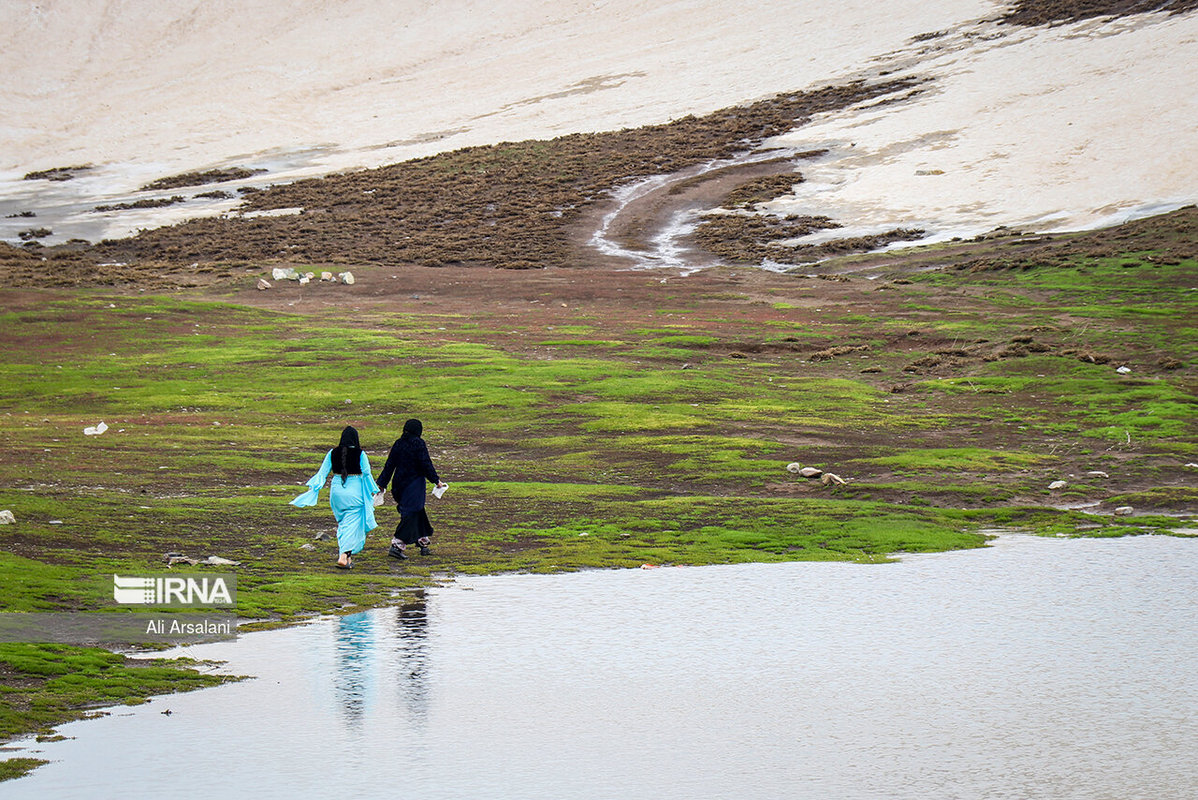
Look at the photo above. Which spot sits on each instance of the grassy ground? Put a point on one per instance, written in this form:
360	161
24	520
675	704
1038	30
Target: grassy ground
594	442
45	685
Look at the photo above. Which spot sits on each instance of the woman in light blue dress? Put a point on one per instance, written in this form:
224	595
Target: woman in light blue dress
351	496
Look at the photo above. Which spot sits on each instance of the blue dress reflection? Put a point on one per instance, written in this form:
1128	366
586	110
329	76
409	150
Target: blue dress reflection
354	643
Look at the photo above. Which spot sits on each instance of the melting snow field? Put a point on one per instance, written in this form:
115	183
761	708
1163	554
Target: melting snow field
1071	126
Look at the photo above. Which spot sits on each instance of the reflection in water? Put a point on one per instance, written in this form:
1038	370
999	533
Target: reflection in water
351	679
368	653
411	674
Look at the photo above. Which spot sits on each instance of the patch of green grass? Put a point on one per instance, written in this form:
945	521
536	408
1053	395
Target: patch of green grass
711	530
1159	497
955	459
43	685
19	767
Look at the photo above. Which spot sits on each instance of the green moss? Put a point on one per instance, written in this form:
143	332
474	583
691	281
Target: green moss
43	685
1159	497
955	459
19	767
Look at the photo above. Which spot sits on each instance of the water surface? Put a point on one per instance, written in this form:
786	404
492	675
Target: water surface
1038	668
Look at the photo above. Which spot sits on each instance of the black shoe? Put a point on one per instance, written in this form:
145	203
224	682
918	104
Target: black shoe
424	551
395	552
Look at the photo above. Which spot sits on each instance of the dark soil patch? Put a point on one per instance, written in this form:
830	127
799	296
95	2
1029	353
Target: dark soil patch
57	174
202	178
762	190
1050	12
146	203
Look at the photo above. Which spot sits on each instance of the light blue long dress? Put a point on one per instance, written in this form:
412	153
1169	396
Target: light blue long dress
353	503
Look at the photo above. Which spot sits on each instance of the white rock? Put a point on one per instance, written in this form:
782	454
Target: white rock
309	275
7	517
278	274
304	280
347	278
217	561
794	467
1123	511
811	472
1057	485
1097	473
326	276
1123	370
829	478
307	546
263	284
95	430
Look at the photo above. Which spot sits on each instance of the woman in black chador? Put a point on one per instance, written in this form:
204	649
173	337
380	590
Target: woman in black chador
408	467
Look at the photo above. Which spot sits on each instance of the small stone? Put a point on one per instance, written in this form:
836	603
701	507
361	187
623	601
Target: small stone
263	284
7	517
217	561
1057	485
794	467
811	472
307	546
1097	473
304	280
347	278
1123	370
326	276
829	478
1123	511
322	536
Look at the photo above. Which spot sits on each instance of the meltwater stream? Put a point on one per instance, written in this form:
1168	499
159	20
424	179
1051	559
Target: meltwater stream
1037	668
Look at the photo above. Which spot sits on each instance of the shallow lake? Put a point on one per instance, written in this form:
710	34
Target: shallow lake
1036	668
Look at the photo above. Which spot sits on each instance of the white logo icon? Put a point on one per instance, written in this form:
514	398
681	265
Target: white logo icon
138	591
175	590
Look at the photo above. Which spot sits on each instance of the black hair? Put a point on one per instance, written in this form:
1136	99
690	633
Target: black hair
347	455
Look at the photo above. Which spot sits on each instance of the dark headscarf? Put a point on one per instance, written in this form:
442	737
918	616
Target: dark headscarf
412	427
347	455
